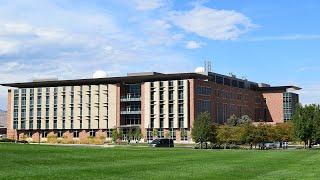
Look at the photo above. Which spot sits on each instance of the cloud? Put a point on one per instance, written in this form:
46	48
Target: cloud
193	45
144	5
289	37
212	23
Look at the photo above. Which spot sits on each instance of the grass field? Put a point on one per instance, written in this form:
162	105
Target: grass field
18	161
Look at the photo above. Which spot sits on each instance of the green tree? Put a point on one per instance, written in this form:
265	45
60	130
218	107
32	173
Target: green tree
167	134
306	123
155	133
213	134
263	133
130	135
138	134
245	119
202	128
233	120
115	135
248	135
283	132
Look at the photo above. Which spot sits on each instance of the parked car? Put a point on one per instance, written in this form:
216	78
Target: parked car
162	143
269	145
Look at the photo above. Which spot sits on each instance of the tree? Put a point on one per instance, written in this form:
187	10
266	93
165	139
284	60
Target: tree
202	128
138	134
229	135
306	123
167	134
263	133
245	119
114	135
283	132
213	134
130	135
248	135
154	133
233	120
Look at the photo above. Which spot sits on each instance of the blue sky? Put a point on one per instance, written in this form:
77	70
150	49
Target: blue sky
275	42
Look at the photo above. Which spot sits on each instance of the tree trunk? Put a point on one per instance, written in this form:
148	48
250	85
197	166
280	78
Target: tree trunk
309	144
250	145
305	144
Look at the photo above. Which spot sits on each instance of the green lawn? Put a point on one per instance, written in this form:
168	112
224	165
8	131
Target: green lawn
55	162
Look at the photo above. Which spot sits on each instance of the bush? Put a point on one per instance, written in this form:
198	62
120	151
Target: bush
66	140
52	139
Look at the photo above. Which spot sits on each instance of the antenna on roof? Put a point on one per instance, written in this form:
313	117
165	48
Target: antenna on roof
207	66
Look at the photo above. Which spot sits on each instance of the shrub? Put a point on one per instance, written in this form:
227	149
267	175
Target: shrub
52	139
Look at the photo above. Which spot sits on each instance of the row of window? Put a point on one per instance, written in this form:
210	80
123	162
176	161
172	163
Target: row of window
172	134
75	133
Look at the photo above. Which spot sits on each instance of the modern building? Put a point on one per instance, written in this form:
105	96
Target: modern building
169	103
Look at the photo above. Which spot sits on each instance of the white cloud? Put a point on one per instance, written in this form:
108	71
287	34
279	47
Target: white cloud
212	23
193	45
148	4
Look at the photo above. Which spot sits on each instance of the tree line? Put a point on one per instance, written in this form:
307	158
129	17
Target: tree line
305	127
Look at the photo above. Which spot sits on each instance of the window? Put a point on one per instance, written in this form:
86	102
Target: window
47	123
23	123
47	112
39	112
39	123
44	134
180	94
161	109
47	100
170	83
152	123
173	134
31	113
92	133
15	124
60	134
30	124
184	135
23	101
170	122
31	100
161	122
23	113
170	95
171	109
15	113
161	96
76	134
39	100
55	123
160	133
181	122
180	108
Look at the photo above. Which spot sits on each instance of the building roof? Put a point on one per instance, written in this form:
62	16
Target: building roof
277	88
109	80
